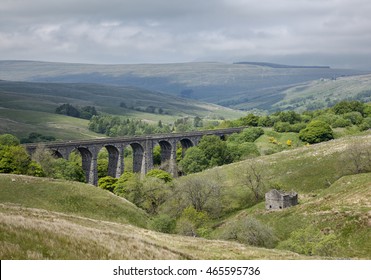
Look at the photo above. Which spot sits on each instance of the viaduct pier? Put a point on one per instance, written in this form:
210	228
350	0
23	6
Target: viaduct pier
142	147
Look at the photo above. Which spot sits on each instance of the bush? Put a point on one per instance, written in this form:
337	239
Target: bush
366	124
247	135
107	183
250	231
310	241
160	174
316	132
163	223
129	186
192	223
9	140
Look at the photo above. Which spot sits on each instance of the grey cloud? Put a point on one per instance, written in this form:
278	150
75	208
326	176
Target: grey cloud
130	31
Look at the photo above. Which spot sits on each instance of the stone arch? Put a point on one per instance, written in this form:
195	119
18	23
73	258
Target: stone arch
166	149
89	165
138	156
56	153
186	143
115	161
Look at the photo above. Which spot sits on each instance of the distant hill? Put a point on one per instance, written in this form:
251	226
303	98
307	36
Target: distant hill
274	65
27	107
240	86
325	93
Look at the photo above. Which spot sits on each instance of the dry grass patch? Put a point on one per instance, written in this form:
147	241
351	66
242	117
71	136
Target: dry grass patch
38	234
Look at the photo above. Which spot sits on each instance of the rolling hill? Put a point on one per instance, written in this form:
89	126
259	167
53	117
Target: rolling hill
48	219
27	107
325	93
239	85
42	218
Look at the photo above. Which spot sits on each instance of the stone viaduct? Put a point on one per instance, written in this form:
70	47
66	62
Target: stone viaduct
142	147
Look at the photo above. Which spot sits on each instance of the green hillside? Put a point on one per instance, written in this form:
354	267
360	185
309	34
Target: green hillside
325	93
338	216
41	218
334	201
23	122
71	198
48	219
30	107
240	86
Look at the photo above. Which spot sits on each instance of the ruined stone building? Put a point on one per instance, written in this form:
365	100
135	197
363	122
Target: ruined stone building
276	199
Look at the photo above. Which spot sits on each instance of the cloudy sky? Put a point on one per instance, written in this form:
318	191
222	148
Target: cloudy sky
304	32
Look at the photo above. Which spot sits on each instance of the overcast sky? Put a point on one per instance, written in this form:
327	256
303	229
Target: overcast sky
303	32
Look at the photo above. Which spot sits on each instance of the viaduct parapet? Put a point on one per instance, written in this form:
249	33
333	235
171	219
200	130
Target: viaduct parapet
142	147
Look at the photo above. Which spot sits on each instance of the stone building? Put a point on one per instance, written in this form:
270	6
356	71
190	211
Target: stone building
276	199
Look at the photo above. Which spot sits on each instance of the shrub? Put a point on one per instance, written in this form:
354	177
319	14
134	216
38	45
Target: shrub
247	135
366	124
250	231
163	223
316	132
107	183
160	174
9	140
192	223
310	241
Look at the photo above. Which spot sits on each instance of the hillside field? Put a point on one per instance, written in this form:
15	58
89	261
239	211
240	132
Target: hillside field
48	219
43	218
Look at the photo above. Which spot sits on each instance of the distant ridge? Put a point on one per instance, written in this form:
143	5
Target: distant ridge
274	65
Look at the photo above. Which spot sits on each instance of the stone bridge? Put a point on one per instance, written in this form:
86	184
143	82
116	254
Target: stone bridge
142	147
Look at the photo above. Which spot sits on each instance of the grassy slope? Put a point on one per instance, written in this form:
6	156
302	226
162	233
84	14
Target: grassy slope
69	198
48	219
29	107
22	122
328	200
80	221
47	96
321	92
342	209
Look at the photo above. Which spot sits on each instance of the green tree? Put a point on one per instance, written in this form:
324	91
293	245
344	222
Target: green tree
344	107
160	174
192	222
154	194
316	132
249	120
14	159
130	186
193	161
9	140
215	150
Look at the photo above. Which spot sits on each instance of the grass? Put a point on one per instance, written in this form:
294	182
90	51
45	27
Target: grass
330	201
51	219
69	198
48	219
22	122
324	92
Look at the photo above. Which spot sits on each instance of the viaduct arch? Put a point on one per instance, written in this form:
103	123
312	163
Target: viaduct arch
142	147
